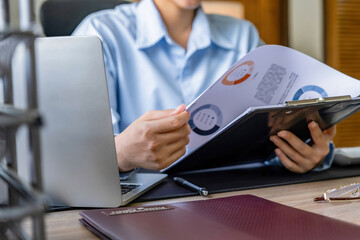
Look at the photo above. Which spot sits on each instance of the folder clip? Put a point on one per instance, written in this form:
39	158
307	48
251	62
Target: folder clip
318	100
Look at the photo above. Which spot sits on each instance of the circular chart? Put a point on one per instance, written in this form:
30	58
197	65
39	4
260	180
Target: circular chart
206	119
239	74
310	91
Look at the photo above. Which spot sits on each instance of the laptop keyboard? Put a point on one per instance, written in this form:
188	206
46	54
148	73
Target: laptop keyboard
125	188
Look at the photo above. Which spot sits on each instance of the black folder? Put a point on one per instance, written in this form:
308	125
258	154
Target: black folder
246	139
233	159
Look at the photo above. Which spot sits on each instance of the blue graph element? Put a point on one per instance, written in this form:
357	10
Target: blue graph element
309	88
206	120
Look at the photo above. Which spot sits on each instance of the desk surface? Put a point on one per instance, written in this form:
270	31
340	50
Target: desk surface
65	224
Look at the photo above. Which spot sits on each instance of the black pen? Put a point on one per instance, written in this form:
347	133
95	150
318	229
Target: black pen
202	191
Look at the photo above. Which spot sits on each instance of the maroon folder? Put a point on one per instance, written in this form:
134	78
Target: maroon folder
238	217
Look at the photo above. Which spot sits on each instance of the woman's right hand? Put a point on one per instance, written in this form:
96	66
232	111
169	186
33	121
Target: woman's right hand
154	141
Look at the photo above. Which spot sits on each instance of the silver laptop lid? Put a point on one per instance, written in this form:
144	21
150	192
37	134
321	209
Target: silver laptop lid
78	151
77	144
80	146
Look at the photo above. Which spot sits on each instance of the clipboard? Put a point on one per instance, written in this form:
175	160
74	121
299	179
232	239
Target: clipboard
246	139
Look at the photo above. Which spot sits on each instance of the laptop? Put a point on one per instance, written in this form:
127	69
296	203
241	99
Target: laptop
77	141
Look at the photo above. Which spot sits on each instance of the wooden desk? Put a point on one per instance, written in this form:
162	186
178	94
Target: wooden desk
65	224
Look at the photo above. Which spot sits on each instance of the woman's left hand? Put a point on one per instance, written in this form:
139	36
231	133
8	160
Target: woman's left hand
296	155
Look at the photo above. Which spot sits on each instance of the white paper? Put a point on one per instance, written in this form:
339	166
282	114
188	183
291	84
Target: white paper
269	75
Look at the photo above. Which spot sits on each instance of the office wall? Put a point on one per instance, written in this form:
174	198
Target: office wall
37	6
306	31
14	14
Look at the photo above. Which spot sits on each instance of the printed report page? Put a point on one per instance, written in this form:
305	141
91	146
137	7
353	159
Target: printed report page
268	75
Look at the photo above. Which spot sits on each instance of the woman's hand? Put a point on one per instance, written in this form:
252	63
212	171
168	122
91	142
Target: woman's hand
296	155
154	141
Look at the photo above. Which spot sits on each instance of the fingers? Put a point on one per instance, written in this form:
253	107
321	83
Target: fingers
175	150
168	124
181	108
289	157
173	136
330	132
298	156
163	156
154	115
320	140
292	145
176	146
164	120
168	147
288	163
175	156
155	140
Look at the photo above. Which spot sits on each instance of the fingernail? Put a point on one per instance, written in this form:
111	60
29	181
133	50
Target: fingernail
277	151
178	109
312	124
282	134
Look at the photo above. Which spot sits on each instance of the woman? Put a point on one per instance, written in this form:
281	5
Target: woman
160	54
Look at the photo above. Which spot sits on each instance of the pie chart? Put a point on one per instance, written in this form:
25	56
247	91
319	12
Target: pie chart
206	119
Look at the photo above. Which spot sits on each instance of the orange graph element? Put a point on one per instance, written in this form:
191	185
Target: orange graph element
239	74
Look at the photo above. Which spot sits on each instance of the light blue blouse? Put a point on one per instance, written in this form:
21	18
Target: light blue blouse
146	70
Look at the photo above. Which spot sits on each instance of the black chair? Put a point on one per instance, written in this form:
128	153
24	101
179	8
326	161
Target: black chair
60	17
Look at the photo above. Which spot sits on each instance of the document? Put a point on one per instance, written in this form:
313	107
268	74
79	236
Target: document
268	75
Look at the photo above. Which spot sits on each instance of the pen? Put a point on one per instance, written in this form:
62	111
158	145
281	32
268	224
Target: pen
202	191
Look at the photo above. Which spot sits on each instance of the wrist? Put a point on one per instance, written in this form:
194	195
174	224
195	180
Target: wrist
123	165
